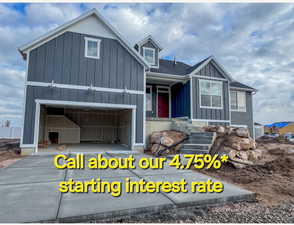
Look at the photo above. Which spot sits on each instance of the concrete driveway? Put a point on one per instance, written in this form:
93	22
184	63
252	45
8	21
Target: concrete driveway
29	192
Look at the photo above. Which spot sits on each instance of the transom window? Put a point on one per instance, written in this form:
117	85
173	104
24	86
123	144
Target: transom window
211	94
238	101
92	48
149	55
148	98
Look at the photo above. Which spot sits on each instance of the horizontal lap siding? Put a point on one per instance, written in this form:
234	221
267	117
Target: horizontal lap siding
63	60
244	118
48	93
210	114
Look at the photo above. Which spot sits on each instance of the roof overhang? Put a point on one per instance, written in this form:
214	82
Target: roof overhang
140	43
166	78
59	30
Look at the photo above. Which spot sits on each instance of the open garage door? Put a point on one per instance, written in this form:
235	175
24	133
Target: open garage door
75	127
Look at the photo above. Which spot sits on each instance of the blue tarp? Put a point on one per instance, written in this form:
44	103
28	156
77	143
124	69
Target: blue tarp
279	124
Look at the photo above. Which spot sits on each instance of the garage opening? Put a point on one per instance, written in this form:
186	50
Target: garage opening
81	129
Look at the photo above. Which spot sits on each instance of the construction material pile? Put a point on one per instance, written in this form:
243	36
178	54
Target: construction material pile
166	142
236	143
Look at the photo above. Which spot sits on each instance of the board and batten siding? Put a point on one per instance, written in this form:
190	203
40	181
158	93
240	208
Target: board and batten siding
244	118
210	114
149	44
63	60
210	70
62	94
180	98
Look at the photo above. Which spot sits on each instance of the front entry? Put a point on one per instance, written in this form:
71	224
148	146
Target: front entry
163	103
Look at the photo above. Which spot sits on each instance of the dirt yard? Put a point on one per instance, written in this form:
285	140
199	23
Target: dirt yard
8	156
273	180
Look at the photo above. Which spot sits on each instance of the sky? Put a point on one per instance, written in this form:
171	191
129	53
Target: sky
254	42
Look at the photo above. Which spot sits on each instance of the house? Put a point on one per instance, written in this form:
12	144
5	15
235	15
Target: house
100	89
258	130
280	128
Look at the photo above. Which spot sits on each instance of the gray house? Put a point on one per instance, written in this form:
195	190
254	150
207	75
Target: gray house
85	84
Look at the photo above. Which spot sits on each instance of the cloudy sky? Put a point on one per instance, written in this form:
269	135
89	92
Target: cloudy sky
254	42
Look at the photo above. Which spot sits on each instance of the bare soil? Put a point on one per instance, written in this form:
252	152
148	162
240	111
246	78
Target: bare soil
272	180
9	156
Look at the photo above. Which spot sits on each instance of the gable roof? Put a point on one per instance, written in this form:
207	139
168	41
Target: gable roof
57	31
149	37
169	67
237	84
198	66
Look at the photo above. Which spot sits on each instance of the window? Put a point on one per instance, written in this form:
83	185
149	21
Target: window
92	48
211	94
148	98
238	101
149	55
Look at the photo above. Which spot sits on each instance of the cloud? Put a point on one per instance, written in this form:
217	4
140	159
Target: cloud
254	42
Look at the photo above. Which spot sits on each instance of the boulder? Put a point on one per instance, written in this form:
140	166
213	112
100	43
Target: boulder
241	132
159	140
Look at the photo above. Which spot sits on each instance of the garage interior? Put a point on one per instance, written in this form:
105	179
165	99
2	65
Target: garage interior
81	129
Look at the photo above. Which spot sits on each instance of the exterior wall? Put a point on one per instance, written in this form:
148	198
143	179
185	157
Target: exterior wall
210	70
156	125
180	98
209	114
244	118
63	61
80	96
149	44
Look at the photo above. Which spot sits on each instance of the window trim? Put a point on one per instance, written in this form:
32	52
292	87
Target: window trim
211	107
149	87
153	50
238	110
98	47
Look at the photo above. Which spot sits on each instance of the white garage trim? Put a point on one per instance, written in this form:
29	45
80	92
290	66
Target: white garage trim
40	102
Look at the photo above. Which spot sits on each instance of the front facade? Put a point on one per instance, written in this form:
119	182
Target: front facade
101	90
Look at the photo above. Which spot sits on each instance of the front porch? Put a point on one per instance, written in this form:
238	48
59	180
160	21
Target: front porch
168	97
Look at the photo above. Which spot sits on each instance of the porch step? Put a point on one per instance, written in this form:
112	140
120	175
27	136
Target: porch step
194	151
195	146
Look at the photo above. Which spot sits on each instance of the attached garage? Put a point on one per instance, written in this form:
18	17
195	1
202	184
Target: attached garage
80	125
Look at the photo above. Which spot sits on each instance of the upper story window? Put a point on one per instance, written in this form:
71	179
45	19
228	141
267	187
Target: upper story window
211	94
148	98
238	101
92	48
149	55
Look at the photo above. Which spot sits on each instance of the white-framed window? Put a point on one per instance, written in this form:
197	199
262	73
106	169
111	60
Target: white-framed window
92	48
148	98
211	94
238	101
149	55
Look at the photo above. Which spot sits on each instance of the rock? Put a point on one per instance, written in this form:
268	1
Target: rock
241	132
160	139
255	155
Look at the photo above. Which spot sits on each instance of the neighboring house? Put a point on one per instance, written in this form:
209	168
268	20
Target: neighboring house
281	128
258	130
100	87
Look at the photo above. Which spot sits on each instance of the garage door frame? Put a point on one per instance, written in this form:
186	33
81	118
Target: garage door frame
40	102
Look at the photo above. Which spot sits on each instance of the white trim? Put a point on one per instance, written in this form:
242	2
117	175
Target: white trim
139	144
239	125
62	29
27	146
239	110
166	76
209	78
98	47
25	97
169	99
210	107
208	120
144	110
140	43
191	98
40	102
153	50
81	87
229	94
253	126
150	87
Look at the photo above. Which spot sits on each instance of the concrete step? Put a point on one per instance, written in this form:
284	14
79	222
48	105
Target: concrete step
195	146
198	141
194	151
201	134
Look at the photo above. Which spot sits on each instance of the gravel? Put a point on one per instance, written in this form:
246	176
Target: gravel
231	213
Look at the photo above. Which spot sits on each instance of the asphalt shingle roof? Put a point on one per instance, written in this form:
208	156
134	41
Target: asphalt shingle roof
169	67
239	85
